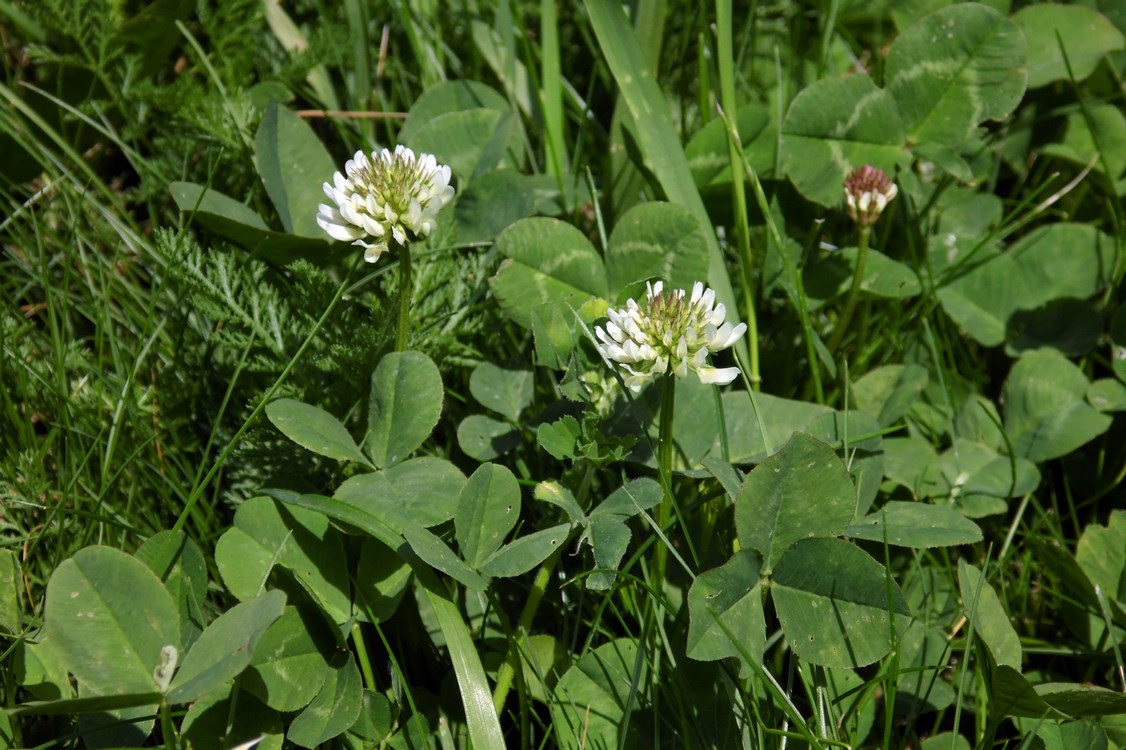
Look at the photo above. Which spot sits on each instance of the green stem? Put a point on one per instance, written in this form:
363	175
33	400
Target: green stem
507	670
362	656
167	728
664	467
853	292
403	332
725	58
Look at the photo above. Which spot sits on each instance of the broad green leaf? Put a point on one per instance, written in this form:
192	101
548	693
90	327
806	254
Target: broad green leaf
1107	395
884	276
543	659
858	436
287	668
561	497
314	429
593	695
43	672
180	564
507	391
520	556
991	624
488	509
629	499
725	610
498	199
1085	35
802	491
485	438
375	718
608	537
913	463
954	70
553	326
547	261
1012	695
471	142
223	650
1053	262
977	480
918	525
708	155
1082	699
1101	553
834	126
434	552
558	438
406	401
836	603
1046	415
450	96
696	423
656	241
208	719
983	298
266	534
1097	130
381	579
293	165
102	601
232	220
1072	734
924	655
418	492
336	707
887	393
759	424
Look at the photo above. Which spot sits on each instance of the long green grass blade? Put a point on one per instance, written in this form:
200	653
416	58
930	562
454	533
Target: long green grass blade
655	132
476	697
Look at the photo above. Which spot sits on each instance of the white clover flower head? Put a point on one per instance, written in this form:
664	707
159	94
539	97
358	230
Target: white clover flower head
389	196
868	191
675	333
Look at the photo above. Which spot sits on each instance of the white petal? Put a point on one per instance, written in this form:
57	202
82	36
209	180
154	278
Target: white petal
341	232
718	376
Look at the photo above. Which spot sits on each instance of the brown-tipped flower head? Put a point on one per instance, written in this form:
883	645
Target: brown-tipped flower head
867	192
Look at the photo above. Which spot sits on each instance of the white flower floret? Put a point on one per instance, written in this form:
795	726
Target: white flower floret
672	335
391	195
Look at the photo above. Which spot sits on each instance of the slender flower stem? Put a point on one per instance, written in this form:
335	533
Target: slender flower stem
403	332
507	670
664	467
853	292
362	656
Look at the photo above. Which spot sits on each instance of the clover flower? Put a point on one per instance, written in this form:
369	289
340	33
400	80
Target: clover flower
868	191
391	195
671	335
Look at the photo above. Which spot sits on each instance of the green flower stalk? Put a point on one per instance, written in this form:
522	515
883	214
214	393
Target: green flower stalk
389	196
673	335
867	192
